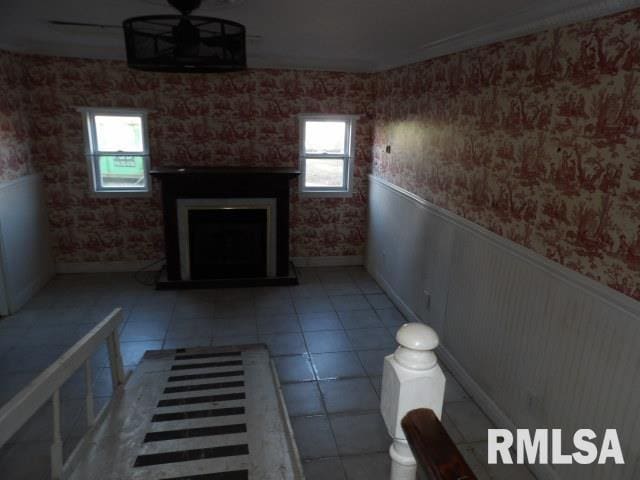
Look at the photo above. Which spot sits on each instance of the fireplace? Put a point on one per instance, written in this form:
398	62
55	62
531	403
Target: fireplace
226	226
227	238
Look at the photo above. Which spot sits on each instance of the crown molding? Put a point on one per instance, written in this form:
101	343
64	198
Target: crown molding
532	20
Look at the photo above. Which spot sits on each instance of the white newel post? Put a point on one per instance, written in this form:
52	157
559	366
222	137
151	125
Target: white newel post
411	379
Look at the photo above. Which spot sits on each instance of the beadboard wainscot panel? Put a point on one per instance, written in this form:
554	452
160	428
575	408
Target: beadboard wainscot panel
537	345
26	264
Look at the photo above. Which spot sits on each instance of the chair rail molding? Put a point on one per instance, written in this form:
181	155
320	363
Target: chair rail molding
606	293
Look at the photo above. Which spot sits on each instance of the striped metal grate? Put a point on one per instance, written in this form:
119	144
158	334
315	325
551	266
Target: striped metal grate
200	414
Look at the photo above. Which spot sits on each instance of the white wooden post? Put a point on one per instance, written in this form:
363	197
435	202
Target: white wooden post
56	446
411	379
88	379
115	357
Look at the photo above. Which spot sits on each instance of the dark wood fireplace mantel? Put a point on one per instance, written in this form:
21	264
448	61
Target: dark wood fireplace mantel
224	182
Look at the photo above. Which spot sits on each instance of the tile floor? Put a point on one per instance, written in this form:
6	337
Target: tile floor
328	337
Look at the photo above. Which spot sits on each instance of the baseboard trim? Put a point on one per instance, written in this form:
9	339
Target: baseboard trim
112	267
484	401
336	261
106	267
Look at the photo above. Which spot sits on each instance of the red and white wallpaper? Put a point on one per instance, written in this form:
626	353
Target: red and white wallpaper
246	118
15	147
536	139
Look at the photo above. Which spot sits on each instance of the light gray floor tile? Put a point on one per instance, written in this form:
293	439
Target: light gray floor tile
193	327
275	308
391	317
376	381
12	383
150	316
375	466
366	318
360	433
284	343
141	331
132	352
312	305
349	302
324	469
341	288
371	338
307	290
337	365
26	461
368	285
314	437
295	368
303	399
351	395
327	341
313	322
30	358
193	309
189	342
373	360
234	340
379	300
240	325
287	323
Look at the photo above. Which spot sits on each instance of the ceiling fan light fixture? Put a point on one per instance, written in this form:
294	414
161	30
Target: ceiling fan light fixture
185	43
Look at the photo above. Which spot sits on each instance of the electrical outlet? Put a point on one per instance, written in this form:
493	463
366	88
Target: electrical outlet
427	299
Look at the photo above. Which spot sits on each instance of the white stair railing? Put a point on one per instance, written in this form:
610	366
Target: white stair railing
411	379
45	386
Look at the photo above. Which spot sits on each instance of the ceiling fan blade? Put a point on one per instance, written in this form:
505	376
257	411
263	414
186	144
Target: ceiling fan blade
81	24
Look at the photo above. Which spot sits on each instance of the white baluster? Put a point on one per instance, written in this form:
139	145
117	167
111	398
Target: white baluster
88	379
411	379
115	360
56	446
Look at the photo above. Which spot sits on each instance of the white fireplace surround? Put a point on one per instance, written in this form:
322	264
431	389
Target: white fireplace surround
185	205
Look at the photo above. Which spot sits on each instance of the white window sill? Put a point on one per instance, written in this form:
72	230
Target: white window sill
121	194
325	194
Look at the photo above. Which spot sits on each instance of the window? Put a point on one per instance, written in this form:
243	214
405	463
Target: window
326	154
117	151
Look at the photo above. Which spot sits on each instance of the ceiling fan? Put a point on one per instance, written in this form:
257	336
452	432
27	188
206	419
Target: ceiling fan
179	43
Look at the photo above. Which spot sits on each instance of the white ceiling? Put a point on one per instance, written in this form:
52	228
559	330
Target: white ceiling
350	35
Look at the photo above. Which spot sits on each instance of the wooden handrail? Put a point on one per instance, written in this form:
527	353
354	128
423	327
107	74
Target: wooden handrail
47	386
432	447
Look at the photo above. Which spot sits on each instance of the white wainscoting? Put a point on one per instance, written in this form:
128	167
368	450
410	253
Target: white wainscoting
26	264
537	345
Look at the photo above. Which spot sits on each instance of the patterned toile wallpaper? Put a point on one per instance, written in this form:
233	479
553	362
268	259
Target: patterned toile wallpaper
15	144
246	118
537	139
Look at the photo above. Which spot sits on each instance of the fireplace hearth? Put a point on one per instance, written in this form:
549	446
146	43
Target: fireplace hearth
226	226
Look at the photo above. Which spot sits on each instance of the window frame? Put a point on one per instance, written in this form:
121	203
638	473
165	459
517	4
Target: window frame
92	154
348	157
